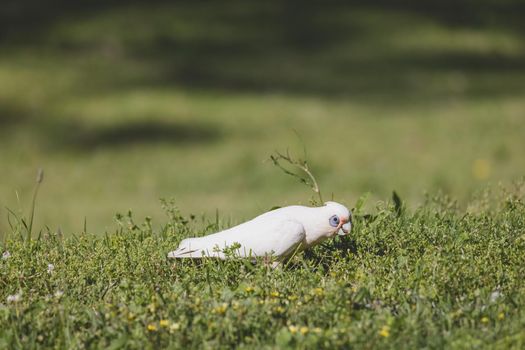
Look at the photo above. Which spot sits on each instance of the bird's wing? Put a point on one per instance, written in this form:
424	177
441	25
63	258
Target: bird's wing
259	237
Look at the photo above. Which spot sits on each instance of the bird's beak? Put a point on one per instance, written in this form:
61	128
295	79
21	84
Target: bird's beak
345	228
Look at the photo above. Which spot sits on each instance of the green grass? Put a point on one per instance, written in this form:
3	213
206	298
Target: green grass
123	105
433	277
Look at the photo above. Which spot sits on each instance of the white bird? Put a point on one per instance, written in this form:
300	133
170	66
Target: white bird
277	233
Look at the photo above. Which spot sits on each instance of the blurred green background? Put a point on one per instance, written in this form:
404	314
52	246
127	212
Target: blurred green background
125	102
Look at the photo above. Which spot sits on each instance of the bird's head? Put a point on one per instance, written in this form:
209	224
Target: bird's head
339	218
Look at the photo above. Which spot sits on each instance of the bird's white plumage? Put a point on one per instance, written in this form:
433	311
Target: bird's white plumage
279	233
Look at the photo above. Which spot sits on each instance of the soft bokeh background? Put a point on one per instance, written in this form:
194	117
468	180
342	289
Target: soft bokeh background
125	102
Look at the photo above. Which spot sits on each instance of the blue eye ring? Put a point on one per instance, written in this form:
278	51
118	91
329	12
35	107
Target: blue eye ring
334	221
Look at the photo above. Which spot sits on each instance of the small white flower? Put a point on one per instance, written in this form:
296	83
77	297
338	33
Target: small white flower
6	255
15	298
495	295
50	268
59	294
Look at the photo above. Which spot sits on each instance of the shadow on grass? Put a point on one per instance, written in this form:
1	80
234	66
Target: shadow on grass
10	117
294	47
80	137
339	49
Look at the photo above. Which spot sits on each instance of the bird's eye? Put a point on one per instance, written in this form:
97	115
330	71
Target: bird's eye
334	221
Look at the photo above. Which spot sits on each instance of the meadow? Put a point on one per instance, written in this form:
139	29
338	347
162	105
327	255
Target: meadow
434	277
123	104
154	121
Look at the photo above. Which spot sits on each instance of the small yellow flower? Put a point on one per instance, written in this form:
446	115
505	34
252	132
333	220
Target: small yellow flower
274	294
152	327
481	169
174	327
292	297
164	323
220	309
293	329
279	309
385	331
317	330
249	289
318	291
152	308
484	319
303	330
501	316
131	316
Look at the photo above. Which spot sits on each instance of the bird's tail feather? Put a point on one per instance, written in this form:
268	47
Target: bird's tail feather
186	249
